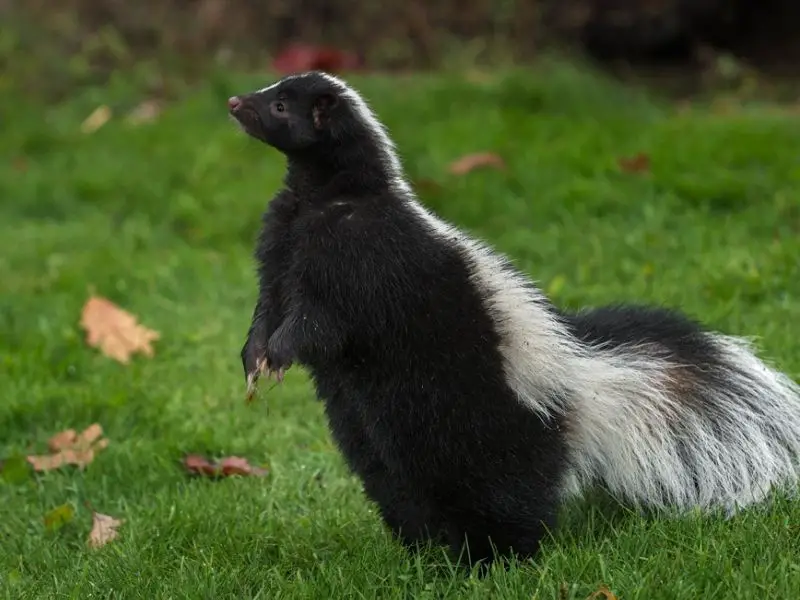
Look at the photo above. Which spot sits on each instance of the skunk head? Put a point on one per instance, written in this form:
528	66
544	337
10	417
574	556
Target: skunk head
299	113
325	129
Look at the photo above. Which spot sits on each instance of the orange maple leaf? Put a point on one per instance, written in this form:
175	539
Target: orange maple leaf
104	529
70	448
114	331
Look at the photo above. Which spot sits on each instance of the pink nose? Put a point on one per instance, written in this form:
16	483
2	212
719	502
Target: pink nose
234	102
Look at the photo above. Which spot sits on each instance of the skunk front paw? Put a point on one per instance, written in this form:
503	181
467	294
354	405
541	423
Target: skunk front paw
279	355
254	361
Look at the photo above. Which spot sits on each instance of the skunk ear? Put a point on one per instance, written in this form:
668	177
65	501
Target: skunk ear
322	110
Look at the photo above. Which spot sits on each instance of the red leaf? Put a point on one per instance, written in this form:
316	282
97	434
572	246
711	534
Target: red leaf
199	465
634	164
234	465
225	467
300	57
470	162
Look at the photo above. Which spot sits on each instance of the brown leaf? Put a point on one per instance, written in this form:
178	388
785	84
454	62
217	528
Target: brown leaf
634	164
225	467
70	448
104	529
604	592
199	465
63	439
234	465
99	117
115	331
470	162
91	434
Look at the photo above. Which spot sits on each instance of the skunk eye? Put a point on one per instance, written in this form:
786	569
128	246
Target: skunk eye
279	107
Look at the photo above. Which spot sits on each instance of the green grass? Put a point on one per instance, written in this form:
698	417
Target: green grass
161	218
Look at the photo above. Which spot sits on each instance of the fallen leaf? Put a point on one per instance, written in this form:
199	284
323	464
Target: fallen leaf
15	469
225	467
470	162
58	517
99	117
70	448
144	113
104	529
62	440
234	465
634	164
115	331
91	434
199	464
604	592
302	57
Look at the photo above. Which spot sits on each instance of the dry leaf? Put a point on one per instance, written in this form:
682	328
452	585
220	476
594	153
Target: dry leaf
96	120
635	164
62	440
225	467
604	592
104	529
69	448
199	464
144	113
234	465
115	331
470	162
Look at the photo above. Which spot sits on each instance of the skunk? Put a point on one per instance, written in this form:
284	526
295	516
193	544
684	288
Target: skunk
468	404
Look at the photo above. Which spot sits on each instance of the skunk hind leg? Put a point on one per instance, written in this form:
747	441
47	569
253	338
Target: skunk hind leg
412	519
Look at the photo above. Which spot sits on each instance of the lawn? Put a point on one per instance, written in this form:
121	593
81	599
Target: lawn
160	218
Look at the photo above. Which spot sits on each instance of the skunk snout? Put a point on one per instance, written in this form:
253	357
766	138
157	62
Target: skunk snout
234	102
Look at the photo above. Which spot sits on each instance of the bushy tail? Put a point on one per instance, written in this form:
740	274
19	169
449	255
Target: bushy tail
661	434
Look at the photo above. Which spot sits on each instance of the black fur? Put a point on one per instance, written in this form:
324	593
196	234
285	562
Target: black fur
395	335
401	346
618	325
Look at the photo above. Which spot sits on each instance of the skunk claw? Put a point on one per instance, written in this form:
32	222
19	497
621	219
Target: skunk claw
252	377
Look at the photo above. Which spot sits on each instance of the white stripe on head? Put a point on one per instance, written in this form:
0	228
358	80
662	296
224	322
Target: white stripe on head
385	144
277	83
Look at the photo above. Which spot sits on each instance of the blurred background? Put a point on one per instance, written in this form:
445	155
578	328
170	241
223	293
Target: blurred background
98	36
